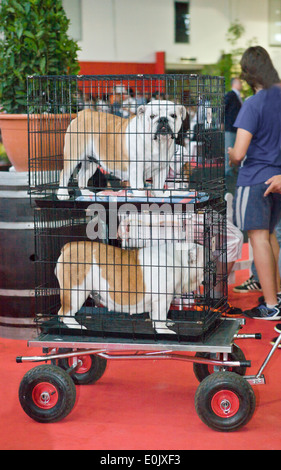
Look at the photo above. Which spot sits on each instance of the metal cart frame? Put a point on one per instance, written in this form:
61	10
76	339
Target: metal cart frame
221	386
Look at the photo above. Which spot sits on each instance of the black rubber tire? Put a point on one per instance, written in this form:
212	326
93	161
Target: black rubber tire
225	401
57	388
92	373
201	371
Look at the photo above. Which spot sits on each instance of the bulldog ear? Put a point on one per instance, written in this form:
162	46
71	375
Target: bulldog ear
140	110
182	111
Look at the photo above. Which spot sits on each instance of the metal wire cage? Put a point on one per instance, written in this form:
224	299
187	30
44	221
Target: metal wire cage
127	174
138	131
163	273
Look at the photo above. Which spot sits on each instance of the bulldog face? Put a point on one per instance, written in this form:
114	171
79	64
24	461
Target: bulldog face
162	119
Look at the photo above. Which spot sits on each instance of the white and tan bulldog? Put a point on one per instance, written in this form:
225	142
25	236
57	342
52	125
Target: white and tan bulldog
133	150
128	281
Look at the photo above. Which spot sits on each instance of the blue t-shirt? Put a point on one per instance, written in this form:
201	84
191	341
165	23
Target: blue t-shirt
261	116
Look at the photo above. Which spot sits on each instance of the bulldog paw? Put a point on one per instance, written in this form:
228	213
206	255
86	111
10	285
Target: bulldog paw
139	192
62	194
86	192
163	193
159	194
72	323
162	329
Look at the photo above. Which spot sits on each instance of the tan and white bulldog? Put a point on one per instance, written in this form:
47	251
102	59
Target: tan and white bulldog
128	281
133	150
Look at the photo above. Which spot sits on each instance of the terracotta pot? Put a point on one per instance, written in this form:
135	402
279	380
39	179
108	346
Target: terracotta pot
46	140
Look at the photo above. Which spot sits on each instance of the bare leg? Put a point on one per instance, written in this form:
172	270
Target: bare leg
230	267
219	287
160	307
73	296
265	262
136	178
86	171
159	179
276	249
65	175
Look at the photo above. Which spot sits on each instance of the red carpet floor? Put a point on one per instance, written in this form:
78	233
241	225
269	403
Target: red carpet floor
140	405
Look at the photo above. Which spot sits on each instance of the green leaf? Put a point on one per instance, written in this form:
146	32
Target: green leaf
35	41
43	65
29	34
20	31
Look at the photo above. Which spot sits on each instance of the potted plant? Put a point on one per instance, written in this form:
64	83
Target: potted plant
34	41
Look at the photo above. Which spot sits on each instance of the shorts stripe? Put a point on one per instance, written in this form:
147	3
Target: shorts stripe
238	198
241	205
244	203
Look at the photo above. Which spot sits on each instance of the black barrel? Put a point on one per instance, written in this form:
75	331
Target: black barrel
30	242
17	255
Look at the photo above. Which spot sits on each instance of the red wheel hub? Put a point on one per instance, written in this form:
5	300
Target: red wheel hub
45	395
85	366
225	403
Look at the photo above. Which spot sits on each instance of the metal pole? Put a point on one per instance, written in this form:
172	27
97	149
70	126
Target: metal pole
144	356
274	347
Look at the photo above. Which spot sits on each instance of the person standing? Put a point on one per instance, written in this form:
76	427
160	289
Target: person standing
259	139
233	103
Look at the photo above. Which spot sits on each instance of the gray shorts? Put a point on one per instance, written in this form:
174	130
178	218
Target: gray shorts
253	211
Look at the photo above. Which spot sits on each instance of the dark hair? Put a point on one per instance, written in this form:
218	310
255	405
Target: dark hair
257	68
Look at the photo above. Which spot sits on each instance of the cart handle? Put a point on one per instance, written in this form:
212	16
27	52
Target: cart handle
248	336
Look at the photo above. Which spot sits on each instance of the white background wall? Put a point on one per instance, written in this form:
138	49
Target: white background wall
133	30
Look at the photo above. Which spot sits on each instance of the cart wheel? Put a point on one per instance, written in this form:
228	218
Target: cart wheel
202	371
90	371
225	401
47	394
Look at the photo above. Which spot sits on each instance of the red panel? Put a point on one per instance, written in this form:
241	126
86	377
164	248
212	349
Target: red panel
125	68
116	68
160	62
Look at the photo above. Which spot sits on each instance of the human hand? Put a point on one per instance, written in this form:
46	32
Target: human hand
230	151
274	185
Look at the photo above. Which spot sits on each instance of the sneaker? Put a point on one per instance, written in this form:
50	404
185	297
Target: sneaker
262	312
251	285
229	311
273	341
261	299
278	328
